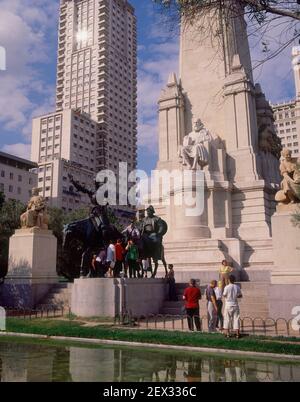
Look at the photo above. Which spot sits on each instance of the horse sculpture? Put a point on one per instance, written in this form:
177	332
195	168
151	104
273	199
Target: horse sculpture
147	234
85	237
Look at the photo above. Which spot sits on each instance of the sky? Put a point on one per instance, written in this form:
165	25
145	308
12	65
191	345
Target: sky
28	31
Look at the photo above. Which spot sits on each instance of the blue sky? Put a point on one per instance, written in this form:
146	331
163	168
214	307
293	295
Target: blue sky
28	31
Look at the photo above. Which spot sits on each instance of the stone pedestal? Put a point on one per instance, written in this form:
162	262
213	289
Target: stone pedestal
104	297
31	267
286	248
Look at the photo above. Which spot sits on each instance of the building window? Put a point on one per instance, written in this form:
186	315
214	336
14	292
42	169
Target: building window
11	176
2	173
10	189
19	178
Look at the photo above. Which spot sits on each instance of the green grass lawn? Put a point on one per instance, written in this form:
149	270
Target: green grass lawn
54	327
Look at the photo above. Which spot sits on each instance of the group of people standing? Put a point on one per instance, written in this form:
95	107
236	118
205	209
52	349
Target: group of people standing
119	260
216	292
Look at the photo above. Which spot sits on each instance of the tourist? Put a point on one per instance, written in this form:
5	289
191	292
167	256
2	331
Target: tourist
212	308
111	258
101	265
224	273
93	271
119	258
232	293
132	259
219	295
191	296
172	284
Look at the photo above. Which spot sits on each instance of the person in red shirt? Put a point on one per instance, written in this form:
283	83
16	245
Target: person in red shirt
191	296
120	251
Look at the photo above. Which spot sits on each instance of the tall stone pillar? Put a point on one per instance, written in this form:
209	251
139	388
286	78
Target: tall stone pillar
31	267
171	123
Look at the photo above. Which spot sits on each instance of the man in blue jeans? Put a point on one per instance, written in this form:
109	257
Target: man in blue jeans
212	308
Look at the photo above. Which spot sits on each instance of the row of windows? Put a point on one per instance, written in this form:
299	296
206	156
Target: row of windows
12	176
287	131
294	144
11	189
287	123
50	120
289	137
285	115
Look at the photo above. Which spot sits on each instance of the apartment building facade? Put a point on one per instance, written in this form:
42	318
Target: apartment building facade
287	115
17	177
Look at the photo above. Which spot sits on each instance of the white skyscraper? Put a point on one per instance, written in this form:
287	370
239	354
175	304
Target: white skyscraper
96	73
96	84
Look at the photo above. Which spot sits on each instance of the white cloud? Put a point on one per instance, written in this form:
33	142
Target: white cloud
152	78
27	32
21	150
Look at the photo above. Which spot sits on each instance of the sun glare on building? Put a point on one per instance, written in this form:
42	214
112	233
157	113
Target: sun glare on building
82	35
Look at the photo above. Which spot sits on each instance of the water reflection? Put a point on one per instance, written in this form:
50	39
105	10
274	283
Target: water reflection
31	362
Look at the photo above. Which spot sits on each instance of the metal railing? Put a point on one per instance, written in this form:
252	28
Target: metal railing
248	325
44	312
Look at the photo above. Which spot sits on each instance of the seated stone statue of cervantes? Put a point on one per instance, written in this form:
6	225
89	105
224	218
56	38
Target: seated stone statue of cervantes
193	152
36	214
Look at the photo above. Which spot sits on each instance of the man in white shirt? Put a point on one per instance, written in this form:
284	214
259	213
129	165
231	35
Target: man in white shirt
232	293
111	258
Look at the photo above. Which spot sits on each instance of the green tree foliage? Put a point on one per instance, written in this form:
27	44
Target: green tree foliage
10	212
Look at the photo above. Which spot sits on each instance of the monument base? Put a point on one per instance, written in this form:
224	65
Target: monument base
286	247
201	259
105	297
31	268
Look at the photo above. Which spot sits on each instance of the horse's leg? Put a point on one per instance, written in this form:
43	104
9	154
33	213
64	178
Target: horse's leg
155	268
165	264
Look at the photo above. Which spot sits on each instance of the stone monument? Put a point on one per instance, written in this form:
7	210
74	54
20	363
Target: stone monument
32	257
213	118
285	278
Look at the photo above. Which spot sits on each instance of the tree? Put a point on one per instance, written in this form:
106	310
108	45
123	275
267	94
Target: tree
2	199
10	212
261	15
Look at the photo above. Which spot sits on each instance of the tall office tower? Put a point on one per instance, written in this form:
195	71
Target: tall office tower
287	115
96	73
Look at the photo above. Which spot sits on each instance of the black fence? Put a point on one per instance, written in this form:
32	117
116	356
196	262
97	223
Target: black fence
45	312
248	325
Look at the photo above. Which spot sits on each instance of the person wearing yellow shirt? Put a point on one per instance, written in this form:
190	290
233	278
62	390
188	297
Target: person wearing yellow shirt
224	273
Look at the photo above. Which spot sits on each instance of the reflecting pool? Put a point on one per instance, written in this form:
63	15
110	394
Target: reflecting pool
27	361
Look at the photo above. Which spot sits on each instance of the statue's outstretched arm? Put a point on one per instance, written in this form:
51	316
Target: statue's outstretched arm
79	187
